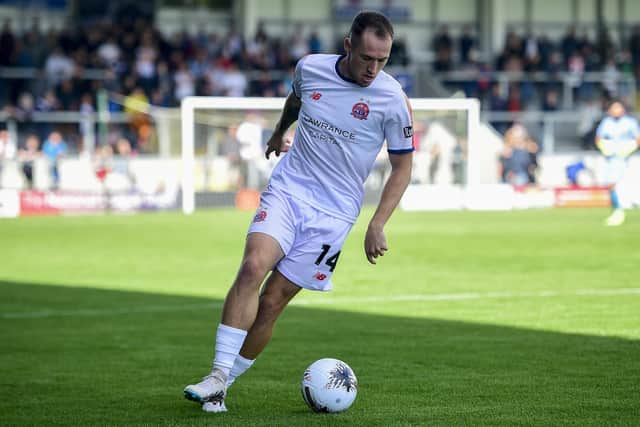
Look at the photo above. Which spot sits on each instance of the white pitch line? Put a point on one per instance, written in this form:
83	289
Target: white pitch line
323	301
466	296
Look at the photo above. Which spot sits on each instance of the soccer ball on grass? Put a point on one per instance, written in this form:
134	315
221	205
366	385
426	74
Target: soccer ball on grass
329	385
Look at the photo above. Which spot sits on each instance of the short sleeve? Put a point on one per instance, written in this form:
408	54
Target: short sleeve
297	78
398	127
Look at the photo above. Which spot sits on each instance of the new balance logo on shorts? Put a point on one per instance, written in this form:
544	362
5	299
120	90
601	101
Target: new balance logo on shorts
320	276
260	216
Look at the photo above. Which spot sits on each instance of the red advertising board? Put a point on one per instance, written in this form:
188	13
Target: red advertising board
67	202
56	202
581	197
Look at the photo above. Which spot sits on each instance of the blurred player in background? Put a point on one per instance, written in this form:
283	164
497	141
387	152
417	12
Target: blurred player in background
346	107
617	136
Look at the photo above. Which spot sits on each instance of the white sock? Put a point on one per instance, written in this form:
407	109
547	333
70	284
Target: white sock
229	341
240	366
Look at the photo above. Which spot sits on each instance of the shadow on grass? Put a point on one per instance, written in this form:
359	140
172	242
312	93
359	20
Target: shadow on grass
85	357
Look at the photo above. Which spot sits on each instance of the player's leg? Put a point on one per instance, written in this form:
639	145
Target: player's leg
615	172
262	252
240	308
270	237
276	294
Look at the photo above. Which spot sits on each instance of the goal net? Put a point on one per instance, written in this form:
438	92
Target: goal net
224	138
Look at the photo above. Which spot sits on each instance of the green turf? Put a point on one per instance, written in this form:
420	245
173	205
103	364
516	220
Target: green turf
513	318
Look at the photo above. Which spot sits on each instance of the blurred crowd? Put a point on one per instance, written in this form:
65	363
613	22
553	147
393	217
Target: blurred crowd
527	54
138	58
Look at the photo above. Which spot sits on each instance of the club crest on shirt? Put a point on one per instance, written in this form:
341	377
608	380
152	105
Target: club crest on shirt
360	111
260	216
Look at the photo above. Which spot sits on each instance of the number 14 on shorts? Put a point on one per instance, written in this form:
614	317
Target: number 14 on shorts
331	261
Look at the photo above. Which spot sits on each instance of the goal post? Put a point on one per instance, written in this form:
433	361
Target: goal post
190	106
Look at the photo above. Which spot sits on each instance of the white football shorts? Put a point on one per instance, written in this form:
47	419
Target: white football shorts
310	239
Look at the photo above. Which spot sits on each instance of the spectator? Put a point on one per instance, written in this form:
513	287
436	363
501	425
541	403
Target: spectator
466	43
514	46
184	82
497	103
610	78
545	49
109	53
605	47
165	80
551	101
531	53
442	41
514	100
28	156
263	86
569	43
298	45
145	65
54	149
234	82
102	163
58	67
399	54
442	46
68	96
7	44
136	102
314	43
518	158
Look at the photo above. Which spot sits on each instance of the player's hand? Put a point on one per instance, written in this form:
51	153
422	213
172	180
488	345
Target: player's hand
375	243
606	147
628	147
278	144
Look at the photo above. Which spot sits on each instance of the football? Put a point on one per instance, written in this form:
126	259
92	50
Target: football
329	385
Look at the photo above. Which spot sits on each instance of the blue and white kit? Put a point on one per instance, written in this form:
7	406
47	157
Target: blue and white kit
623	130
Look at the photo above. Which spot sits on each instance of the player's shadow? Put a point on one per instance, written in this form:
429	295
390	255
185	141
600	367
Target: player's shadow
86	356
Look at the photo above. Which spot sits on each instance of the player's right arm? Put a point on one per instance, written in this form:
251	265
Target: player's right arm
289	115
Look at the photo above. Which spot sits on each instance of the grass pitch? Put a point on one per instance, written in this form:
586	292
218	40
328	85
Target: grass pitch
510	318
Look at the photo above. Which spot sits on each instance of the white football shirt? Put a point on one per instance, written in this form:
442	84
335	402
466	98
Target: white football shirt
341	129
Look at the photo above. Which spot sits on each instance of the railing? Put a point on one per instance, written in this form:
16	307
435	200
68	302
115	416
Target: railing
557	132
421	81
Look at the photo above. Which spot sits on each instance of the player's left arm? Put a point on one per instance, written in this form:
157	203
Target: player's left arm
375	242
